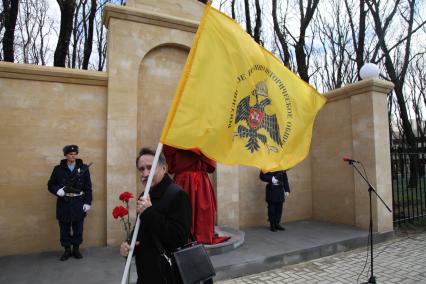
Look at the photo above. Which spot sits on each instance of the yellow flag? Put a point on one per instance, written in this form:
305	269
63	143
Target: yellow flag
238	103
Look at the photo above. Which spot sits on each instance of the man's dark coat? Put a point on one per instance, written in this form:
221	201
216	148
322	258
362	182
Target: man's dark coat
170	221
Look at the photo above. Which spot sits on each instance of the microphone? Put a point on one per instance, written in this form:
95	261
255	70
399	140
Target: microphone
347	159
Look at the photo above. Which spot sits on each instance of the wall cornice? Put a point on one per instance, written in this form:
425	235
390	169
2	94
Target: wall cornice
52	74
147	17
360	87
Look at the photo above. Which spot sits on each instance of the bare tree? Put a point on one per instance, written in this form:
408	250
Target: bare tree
306	15
100	38
335	65
258	23
416	88
302	49
75	56
10	14
415	91
2	15
25	29
396	70
233	9
397	58
248	17
358	35
256	31
45	27
281	35
89	35
67	8
32	32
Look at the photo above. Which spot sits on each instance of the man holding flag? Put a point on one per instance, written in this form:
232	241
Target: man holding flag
165	222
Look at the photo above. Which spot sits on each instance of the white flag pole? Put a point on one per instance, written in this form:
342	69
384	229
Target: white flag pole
138	221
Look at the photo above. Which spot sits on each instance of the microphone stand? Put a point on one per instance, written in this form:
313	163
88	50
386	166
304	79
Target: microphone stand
372	279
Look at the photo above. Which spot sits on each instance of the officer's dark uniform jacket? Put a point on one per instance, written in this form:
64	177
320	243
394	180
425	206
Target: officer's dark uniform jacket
275	193
70	209
169	218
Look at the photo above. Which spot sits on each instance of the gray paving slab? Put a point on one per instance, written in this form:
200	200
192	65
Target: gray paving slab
99	265
301	241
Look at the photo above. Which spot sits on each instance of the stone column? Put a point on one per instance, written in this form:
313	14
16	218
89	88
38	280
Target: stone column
354	122
228	196
371	146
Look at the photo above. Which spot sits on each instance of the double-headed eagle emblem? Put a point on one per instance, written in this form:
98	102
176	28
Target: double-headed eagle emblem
256	118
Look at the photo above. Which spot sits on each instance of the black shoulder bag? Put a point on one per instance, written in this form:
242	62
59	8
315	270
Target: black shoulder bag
191	262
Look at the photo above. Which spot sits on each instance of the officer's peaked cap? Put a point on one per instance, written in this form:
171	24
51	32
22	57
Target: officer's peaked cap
69	149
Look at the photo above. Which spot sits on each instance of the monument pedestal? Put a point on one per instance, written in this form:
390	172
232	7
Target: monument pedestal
236	240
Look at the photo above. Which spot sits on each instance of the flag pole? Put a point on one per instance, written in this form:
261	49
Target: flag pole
138	221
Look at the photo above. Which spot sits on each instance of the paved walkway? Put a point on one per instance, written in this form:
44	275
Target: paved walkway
401	260
326	247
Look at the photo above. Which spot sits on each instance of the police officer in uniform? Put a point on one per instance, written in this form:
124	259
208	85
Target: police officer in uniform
70	183
277	190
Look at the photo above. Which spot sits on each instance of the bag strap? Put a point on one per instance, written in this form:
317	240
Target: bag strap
161	249
165	201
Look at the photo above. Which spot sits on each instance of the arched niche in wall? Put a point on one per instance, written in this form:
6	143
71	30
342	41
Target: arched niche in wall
159	74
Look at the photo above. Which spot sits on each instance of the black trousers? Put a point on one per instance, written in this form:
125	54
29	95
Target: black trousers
76	237
275	210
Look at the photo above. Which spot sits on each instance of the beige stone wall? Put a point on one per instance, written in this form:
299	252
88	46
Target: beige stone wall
332	179
41	110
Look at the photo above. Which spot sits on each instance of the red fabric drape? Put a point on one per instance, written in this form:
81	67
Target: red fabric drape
190	169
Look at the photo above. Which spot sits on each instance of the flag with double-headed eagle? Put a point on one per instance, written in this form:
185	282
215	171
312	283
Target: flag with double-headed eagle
238	103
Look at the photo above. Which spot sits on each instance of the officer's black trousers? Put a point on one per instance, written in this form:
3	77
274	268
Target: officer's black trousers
275	209
68	239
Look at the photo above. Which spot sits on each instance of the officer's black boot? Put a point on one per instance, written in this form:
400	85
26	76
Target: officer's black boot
272	227
76	252
67	254
279	227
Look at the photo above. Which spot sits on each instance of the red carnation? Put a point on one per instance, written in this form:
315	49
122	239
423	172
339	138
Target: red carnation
119	211
125	196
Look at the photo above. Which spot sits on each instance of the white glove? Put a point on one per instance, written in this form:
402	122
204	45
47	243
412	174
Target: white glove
274	181
286	194
86	207
60	192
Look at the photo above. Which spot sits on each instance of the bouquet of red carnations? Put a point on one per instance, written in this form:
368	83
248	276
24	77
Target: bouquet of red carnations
121	212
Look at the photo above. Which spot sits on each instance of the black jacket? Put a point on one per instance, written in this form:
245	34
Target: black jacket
275	193
71	208
171	224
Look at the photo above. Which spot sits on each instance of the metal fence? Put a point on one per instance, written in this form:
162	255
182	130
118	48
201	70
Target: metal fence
408	186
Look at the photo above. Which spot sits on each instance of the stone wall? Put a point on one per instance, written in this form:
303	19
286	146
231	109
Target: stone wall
41	110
